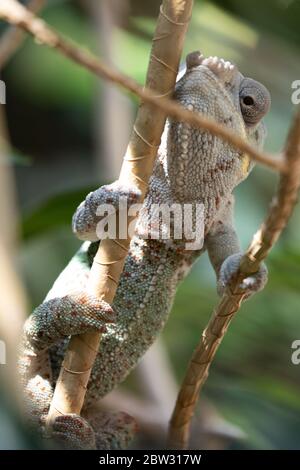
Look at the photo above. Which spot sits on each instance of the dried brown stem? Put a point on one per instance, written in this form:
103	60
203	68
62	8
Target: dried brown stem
276	220
14	13
12	39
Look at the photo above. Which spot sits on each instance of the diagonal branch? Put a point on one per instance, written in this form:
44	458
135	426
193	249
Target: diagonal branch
15	13
276	220
12	39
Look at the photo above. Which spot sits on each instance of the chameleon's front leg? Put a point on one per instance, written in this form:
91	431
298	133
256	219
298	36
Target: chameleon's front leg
225	254
52	321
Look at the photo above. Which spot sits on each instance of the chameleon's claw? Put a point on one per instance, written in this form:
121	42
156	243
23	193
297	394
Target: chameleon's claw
250	285
71	431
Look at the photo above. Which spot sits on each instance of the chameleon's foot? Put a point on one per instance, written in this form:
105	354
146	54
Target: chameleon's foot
64	316
71	431
114	430
250	285
87	216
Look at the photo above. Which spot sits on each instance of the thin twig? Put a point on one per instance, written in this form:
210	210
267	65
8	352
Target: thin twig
276	220
14	13
12	39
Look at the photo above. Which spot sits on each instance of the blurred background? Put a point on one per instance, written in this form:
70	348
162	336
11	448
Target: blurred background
66	133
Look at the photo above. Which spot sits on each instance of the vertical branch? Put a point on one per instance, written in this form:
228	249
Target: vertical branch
276	220
137	168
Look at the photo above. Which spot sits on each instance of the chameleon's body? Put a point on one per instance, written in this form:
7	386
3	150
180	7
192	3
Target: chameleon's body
192	167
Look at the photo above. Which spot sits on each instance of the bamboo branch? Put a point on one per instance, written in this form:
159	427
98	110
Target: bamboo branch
15	13
137	168
276	220
12	39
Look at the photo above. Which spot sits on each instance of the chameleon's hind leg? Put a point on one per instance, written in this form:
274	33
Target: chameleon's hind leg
52	321
113	430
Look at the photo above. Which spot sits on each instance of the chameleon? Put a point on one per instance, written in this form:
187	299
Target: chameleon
192	167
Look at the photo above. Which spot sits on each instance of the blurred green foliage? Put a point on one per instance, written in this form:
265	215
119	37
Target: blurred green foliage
278	17
252	381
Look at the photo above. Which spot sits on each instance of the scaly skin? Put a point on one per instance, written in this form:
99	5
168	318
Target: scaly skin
192	167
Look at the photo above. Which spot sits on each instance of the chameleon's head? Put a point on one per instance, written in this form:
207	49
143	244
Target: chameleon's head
217	89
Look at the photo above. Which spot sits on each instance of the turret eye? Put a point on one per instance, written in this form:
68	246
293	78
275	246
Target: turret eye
255	101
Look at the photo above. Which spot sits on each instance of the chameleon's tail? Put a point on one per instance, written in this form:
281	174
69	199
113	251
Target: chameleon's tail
113	430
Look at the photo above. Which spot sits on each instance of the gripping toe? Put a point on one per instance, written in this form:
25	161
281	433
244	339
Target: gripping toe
251	284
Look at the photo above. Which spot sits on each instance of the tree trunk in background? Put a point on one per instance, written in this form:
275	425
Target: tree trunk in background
113	110
8	203
13	302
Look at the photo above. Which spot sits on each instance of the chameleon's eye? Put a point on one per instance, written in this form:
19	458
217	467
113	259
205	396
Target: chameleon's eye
255	101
